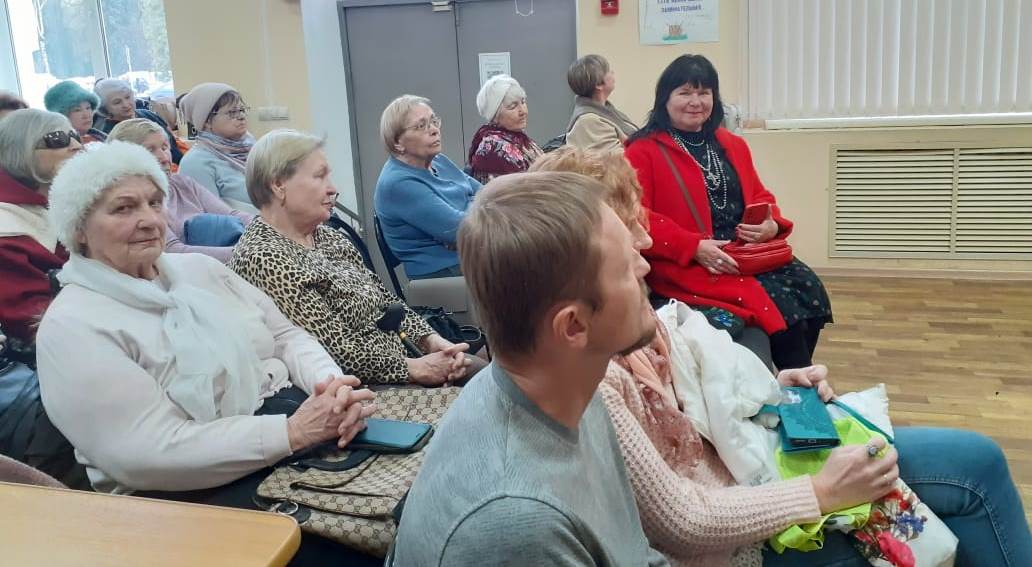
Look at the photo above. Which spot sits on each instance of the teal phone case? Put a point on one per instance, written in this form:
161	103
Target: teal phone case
805	422
391	436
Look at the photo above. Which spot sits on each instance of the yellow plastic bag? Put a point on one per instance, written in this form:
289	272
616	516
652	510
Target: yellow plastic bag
809	537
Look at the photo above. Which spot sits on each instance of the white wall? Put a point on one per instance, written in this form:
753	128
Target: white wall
327	86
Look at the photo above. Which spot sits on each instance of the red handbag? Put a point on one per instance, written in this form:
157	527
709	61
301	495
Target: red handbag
752	258
756	258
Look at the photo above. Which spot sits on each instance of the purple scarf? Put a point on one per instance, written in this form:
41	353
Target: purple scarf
232	151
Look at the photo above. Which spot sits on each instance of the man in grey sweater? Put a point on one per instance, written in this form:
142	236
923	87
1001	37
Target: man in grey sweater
525	469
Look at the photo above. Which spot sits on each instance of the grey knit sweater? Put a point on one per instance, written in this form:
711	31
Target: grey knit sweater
504	484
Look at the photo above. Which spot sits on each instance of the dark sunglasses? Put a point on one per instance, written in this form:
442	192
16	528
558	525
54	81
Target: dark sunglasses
58	140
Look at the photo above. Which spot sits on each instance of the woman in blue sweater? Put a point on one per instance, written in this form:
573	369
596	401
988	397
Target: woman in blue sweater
421	196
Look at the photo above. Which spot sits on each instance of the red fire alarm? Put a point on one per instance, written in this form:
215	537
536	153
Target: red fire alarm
610	7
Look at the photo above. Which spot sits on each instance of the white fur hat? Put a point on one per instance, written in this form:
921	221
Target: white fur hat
82	179
493	93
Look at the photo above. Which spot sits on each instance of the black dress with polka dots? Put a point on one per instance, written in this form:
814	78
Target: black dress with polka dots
794	288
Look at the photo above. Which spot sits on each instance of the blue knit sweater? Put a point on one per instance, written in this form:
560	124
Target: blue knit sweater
420	212
218	176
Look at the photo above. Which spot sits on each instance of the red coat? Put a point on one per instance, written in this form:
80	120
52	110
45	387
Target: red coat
675	273
24	263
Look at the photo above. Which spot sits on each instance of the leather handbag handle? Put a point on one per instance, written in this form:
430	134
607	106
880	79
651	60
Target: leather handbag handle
684	188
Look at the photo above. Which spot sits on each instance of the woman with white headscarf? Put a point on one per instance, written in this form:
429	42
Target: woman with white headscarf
168	372
501	146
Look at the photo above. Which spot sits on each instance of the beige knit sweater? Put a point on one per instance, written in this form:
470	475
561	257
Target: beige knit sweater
700	518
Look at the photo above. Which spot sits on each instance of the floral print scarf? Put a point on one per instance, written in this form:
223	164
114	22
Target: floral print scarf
497	151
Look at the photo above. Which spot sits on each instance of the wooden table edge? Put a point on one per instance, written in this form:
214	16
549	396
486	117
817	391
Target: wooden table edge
282	555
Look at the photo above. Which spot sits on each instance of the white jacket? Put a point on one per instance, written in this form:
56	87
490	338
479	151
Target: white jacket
103	368
720	386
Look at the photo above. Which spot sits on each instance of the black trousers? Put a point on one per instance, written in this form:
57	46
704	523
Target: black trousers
793	347
27	434
315	550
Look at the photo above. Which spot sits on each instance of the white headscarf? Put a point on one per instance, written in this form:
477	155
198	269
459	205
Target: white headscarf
493	93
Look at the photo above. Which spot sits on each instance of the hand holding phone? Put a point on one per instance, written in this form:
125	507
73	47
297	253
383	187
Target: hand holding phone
756	213
757	224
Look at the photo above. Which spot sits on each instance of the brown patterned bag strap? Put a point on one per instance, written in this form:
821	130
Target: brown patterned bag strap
684	188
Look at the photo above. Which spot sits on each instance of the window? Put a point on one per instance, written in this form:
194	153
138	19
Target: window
86	40
821	59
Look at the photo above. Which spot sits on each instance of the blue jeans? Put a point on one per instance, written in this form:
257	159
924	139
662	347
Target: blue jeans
963	477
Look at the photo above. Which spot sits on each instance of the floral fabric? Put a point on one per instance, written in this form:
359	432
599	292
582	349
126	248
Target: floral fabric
496	151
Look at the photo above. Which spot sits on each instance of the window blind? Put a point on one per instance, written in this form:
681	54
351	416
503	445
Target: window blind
873	58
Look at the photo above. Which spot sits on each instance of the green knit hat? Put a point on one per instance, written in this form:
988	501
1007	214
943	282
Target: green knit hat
66	95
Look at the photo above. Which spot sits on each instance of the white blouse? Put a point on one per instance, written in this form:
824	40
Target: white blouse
104	366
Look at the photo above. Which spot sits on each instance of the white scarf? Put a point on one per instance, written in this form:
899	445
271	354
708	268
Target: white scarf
27	220
212	352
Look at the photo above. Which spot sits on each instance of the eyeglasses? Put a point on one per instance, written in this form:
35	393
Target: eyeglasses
58	140
235	114
424	125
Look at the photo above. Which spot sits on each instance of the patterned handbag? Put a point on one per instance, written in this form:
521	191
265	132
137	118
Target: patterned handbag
350	496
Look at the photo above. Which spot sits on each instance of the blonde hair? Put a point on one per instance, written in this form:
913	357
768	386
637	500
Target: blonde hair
134	131
529	242
610	168
587	73
392	121
275	157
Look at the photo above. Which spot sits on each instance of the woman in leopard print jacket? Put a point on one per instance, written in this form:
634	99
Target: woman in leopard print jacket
316	276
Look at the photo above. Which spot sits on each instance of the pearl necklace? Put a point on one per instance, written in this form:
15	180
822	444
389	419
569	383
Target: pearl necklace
713	171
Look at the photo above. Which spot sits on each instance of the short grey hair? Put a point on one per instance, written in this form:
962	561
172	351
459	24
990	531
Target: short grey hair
392	121
134	131
20	132
587	73
106	88
275	157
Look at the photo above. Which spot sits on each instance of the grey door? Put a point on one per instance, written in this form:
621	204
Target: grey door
541	46
392	50
393	47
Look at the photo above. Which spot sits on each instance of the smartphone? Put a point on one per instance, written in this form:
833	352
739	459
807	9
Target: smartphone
756	213
392	436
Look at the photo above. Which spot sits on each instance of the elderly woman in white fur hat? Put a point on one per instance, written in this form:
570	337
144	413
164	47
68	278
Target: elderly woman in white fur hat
501	146
168	372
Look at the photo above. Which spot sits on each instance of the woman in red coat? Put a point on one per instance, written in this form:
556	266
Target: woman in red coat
789	303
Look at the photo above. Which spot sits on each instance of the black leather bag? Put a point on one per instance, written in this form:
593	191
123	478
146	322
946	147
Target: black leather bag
442	322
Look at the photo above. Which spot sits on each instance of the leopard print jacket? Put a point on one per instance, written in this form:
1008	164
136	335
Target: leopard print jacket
329	292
